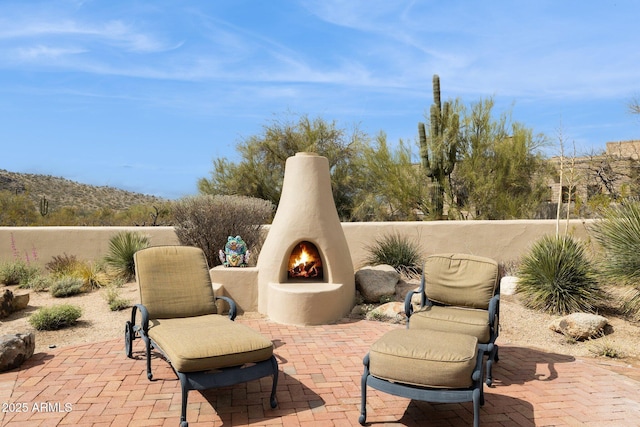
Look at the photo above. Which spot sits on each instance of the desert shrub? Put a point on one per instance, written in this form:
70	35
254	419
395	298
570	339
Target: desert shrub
207	221
39	283
557	277
62	265
122	246
397	251
115	301
618	234
66	286
55	317
93	275
603	347
17	272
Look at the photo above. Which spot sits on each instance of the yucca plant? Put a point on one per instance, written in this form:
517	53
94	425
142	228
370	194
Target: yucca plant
122	246
556	276
397	251
618	234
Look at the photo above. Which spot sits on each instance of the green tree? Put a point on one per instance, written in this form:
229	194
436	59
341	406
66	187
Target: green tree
16	209
501	172
394	184
261	168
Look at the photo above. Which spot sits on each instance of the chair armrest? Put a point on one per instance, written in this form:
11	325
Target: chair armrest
494	319
494	309
144	324
408	307
233	310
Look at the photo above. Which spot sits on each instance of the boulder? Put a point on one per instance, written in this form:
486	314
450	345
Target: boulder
6	303
579	326
377	282
20	301
15	349
391	311
405	286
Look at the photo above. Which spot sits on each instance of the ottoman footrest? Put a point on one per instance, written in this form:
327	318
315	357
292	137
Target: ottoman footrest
426	365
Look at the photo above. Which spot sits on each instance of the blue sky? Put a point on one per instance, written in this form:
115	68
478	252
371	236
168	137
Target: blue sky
143	95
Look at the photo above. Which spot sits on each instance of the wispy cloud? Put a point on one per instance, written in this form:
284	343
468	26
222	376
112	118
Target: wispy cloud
39	52
537	49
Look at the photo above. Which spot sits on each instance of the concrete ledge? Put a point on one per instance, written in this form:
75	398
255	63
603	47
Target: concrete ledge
239	284
308	303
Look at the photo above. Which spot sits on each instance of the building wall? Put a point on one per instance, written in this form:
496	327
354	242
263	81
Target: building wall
628	149
618	164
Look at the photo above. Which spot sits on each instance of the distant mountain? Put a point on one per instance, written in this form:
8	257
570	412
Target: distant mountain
63	192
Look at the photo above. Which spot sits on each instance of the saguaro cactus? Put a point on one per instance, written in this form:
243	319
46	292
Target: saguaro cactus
439	148
44	206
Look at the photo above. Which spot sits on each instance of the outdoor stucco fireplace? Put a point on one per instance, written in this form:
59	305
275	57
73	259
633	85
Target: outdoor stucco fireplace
305	271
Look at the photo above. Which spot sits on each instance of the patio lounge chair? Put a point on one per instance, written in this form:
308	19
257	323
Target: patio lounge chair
179	319
459	293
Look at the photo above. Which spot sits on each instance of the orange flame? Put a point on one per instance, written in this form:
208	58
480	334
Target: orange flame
304	257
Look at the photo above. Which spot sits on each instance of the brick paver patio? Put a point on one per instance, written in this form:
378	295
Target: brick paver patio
320	368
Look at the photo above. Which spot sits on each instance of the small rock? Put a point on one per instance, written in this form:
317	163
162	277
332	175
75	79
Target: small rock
392	311
508	285
15	349
580	326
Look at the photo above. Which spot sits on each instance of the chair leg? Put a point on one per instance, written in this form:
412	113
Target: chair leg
363	385
147	343
493	357
273	401
128	339
185	397
476	406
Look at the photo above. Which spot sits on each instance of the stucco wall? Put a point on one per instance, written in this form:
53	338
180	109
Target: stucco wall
40	244
501	240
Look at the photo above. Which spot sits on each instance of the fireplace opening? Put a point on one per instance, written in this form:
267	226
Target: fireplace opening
305	263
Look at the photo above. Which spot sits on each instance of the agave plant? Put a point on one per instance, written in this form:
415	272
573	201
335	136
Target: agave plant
618	234
557	277
122	246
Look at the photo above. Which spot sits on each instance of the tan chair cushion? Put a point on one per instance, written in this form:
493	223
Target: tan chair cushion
424	358
208	342
461	279
174	281
466	321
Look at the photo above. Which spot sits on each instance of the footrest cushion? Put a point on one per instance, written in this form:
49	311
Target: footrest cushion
424	358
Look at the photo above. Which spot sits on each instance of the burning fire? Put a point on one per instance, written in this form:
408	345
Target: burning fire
305	263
